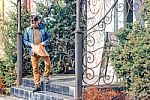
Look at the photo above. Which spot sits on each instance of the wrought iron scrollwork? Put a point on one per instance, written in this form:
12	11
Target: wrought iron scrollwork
100	18
63	54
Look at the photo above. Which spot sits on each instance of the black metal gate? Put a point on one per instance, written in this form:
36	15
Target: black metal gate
102	18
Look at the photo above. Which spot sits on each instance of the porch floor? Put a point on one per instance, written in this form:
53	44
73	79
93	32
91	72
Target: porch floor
61	79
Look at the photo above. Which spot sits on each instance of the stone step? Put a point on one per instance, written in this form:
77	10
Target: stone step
58	84
26	93
7	97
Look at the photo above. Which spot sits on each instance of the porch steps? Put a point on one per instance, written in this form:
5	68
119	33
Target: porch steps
59	88
26	93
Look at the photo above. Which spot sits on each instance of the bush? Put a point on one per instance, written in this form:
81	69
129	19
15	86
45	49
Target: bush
8	63
131	59
97	93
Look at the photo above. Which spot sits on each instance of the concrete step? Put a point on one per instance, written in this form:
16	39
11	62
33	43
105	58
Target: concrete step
26	93
6	97
58	84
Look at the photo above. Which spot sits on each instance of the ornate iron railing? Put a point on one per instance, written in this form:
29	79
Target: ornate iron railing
62	55
102	25
103	18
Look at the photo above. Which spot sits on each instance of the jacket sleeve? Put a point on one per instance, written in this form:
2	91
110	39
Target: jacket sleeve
26	39
47	40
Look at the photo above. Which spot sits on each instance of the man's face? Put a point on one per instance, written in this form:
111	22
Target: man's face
35	24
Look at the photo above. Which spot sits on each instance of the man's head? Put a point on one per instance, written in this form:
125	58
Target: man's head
34	22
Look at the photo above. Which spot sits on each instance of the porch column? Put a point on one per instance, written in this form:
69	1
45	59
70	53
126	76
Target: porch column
19	46
78	55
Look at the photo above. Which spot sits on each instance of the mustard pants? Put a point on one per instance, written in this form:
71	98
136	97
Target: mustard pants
35	65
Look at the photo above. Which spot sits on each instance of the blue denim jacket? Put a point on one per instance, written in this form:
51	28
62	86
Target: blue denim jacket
29	37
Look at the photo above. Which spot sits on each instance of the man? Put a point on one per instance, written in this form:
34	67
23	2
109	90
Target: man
33	36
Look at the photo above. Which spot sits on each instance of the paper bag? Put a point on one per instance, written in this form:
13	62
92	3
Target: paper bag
39	50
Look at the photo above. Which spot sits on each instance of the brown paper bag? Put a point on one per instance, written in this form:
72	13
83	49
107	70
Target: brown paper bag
39	50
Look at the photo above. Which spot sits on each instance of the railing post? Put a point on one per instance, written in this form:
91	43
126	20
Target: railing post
78	54
19	46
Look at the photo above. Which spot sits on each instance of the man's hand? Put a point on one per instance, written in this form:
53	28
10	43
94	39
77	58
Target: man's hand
43	44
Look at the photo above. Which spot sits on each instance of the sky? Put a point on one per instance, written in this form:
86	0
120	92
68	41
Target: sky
6	6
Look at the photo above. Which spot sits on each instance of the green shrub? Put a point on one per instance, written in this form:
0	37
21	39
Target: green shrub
9	61
131	59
